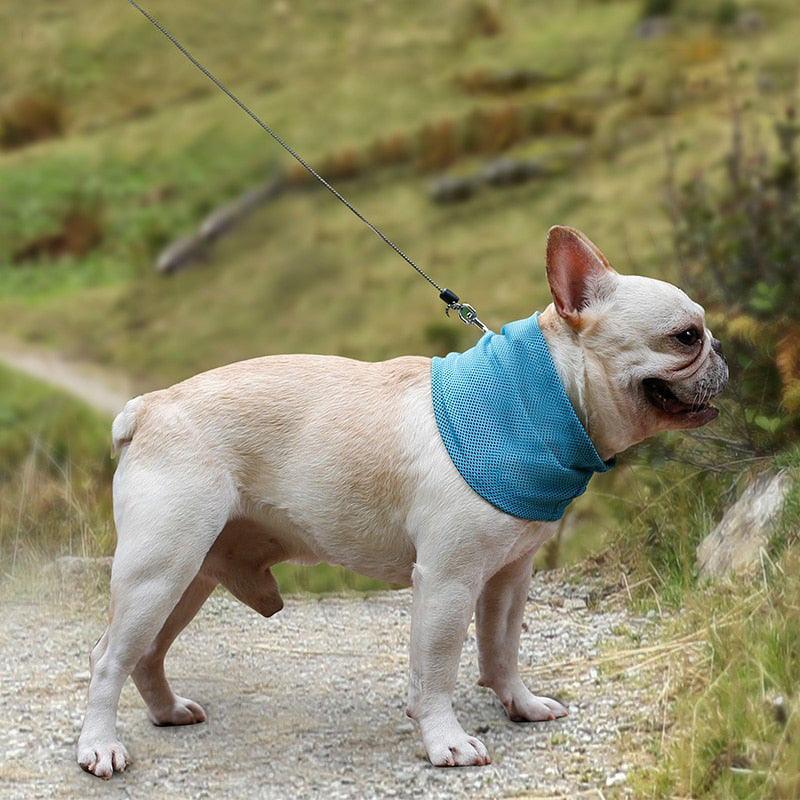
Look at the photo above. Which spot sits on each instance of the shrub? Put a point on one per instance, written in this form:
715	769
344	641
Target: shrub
80	231
726	13
657	8
29	119
503	82
439	145
738	245
482	19
492	130
390	150
341	165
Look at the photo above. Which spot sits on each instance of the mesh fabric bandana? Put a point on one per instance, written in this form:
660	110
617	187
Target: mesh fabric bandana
508	425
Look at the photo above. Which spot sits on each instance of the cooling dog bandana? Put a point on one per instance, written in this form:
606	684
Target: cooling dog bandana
509	426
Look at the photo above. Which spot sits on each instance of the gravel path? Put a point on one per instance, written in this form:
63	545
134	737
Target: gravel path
310	703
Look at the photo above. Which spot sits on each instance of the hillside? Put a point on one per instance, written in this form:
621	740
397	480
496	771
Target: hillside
144	148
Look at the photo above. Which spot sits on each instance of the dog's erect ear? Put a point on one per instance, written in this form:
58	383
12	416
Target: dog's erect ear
575	268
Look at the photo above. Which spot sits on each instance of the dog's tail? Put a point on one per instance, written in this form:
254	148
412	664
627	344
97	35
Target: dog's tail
124	425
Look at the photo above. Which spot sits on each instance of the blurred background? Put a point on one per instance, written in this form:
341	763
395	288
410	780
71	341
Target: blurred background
149	230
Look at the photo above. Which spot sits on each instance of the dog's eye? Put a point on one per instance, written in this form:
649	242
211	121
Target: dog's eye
689	337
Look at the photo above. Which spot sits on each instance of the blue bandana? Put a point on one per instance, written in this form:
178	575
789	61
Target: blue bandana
508	425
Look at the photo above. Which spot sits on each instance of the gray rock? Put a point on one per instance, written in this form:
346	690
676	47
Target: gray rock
220	221
452	190
181	253
186	250
750	21
509	171
653	28
747	526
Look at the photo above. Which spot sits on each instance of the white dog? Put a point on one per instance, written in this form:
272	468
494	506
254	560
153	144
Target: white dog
313	458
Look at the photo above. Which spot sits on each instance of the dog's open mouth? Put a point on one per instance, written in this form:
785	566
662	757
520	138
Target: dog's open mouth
660	396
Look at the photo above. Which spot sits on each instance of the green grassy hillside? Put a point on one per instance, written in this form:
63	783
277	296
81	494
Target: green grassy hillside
145	147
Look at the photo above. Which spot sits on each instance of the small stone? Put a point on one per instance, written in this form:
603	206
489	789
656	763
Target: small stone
617	779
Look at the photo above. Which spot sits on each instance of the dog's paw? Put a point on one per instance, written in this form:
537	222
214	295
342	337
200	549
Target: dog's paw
524	706
181	712
103	758
454	748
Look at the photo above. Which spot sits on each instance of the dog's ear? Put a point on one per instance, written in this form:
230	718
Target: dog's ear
575	271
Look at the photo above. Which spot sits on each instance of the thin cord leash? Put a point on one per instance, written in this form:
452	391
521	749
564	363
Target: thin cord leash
466	313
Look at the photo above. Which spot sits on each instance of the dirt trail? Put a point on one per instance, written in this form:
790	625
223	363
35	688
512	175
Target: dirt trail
309	703
102	390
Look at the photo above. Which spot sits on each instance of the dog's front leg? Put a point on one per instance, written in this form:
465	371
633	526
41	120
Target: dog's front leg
498	619
442	609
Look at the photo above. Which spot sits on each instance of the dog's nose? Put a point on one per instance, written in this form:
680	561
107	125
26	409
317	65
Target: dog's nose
716	346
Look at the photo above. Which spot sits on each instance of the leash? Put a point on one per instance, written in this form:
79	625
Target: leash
465	312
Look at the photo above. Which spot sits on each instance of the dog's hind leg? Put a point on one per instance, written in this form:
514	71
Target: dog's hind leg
168	515
163	705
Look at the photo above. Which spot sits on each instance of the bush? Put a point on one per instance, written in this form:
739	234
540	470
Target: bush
439	145
482	19
29	119
341	165
391	150
657	8
738	245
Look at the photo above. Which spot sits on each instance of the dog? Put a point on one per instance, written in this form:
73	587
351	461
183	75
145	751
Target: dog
320	458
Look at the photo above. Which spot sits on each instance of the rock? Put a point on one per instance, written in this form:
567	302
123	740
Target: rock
226	217
187	249
509	171
750	21
746	527
181	253
452	190
653	28
616	779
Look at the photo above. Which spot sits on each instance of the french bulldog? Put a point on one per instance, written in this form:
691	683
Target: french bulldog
318	458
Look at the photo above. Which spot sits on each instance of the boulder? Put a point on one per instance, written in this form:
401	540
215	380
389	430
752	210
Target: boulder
746	527
452	189
509	172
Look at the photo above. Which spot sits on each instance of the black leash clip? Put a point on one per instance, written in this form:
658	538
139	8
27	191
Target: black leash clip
466	313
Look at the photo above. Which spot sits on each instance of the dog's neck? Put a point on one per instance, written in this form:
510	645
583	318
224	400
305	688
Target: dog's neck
594	399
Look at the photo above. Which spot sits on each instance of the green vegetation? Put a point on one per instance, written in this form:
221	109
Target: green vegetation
147	148
111	146
55	474
55	487
735	729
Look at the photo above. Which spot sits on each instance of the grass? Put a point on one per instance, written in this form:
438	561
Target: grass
55	473
736	716
150	148
734	694
149	145
55	488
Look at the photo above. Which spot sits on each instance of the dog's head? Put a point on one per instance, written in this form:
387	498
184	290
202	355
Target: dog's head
650	362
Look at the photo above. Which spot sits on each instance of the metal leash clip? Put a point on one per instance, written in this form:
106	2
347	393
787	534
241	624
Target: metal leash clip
466	313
